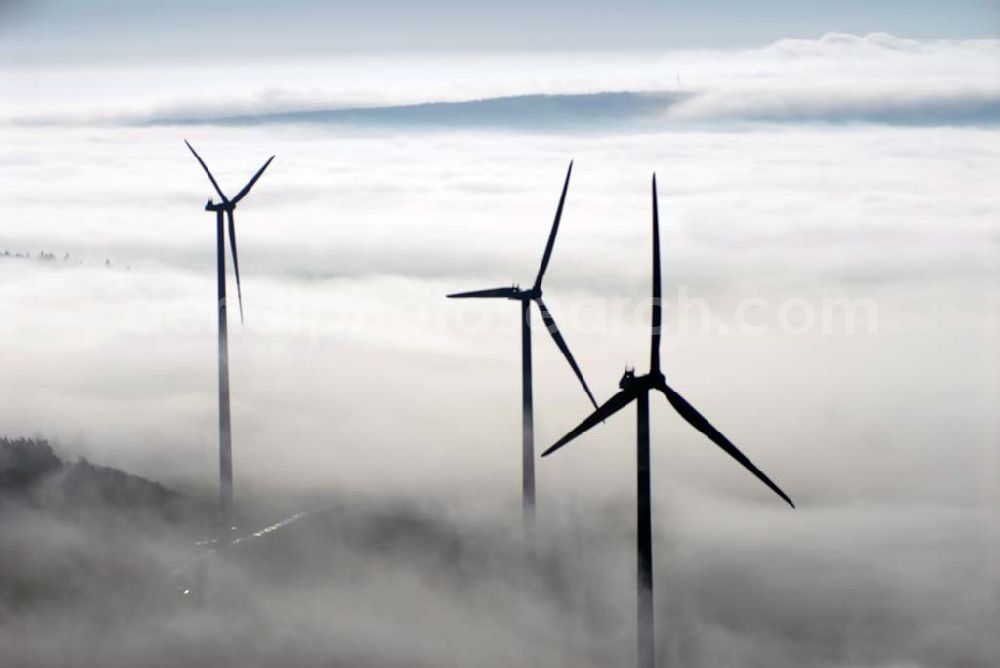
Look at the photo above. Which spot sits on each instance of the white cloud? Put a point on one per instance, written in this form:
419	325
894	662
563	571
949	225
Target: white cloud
838	76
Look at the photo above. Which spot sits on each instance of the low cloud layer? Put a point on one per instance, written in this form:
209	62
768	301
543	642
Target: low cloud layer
836	78
404	583
355	378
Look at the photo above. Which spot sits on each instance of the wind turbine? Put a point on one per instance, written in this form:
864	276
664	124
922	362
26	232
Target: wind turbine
534	294
637	388
225	209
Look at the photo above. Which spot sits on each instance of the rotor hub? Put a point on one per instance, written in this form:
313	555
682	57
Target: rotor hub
219	206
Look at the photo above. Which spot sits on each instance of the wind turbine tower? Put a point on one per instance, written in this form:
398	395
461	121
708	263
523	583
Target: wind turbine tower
637	388
526	297
224	213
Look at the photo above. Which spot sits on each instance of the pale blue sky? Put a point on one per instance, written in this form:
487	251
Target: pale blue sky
73	30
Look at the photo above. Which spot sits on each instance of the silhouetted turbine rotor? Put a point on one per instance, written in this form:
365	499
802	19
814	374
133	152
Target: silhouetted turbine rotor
228	206
535	293
655	380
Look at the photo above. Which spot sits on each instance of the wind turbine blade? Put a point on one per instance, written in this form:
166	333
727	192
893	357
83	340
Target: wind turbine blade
498	293
698	421
205	167
550	324
657	320
249	185
555	228
609	408
236	260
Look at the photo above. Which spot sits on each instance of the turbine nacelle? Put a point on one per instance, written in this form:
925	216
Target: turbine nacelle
525	295
650	381
221	206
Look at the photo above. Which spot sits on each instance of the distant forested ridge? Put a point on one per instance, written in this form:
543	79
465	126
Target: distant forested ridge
31	472
55	258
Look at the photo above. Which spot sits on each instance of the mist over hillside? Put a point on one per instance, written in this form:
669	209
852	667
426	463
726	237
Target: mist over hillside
99	568
31	473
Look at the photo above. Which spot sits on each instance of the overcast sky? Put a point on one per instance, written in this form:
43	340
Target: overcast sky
73	30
